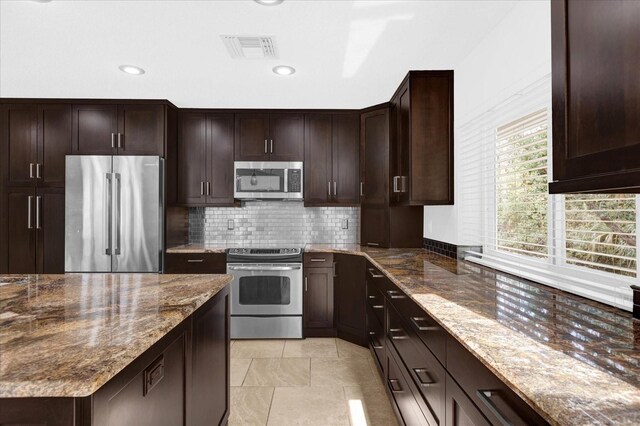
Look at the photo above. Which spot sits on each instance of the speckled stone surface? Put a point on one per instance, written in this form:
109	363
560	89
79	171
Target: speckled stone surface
196	248
67	335
575	361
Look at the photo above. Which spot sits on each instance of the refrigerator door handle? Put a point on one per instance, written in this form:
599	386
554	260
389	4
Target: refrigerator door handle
107	222
118	185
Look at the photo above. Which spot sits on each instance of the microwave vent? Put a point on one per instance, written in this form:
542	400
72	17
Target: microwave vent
251	47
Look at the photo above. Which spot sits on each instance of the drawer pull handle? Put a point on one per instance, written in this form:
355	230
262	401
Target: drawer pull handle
372	297
394	336
153	374
373	343
373	244
423	372
415	320
318	260
485	396
195	260
377	306
394	385
374	275
396	294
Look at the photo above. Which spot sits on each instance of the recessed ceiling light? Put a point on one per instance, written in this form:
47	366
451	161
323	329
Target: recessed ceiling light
131	69
284	70
269	2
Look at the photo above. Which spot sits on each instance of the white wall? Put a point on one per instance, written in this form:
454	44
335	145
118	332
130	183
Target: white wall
516	53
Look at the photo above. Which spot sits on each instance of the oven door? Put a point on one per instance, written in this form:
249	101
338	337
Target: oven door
266	289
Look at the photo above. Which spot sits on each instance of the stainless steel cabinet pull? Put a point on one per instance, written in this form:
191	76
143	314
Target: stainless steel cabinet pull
118	213
38	170
120	138
305	284
29	200
31	170
371	297
362	189
374	275
400	336
335	188
208	188
271	146
377	306
265	146
329	188
485	397
113	140
395	294
38	199
201	188
395	184
109	211
318	260
403	183
414	321
373	342
419	373
195	260
373	244
394	385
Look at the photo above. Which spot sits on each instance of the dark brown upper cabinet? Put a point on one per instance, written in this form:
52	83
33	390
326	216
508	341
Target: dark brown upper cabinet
35	140
205	158
111	129
422	139
265	136
331	150
595	96
382	224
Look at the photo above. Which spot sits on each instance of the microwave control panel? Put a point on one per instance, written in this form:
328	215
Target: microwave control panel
294	183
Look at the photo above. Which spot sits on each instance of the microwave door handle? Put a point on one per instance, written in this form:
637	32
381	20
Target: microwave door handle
286	180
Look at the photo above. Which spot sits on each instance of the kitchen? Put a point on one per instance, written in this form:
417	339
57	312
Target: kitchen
429	220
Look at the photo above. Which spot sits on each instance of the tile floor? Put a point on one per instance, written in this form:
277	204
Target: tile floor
315	381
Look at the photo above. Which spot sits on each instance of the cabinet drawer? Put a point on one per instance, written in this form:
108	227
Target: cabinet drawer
422	368
375	299
318	260
493	398
376	340
426	328
460	409
404	403
195	263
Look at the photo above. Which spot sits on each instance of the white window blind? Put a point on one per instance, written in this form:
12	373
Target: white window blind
585	244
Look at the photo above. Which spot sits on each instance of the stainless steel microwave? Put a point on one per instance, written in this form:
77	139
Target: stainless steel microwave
280	180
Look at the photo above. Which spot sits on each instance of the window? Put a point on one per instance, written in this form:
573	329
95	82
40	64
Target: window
585	244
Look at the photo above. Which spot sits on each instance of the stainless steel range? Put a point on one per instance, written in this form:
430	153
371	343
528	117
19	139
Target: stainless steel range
266	292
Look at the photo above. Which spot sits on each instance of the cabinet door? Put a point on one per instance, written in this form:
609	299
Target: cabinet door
460	410
596	94
374	156
346	159
220	177
286	137
94	129
350	298
140	130
192	157
21	246
49	219
374	226
317	164
318	298
252	137
19	143
54	142
404	403
400	173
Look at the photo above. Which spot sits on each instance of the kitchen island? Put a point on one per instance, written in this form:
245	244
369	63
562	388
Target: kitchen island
114	349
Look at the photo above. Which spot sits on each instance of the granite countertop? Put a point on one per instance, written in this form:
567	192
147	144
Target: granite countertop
574	360
67	335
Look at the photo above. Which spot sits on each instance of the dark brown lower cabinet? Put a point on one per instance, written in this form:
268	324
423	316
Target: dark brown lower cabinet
318	302
460	409
183	379
195	263
403	401
349	291
35	230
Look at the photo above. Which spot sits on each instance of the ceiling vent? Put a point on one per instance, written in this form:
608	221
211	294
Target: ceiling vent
251	47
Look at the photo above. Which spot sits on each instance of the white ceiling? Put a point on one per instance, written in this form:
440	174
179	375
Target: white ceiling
348	54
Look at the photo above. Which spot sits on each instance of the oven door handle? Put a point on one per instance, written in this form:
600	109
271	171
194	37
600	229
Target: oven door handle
264	268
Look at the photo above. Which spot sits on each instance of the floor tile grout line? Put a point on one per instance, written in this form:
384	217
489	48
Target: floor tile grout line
273	395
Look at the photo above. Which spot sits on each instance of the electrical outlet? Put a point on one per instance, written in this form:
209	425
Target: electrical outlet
345	223
230	224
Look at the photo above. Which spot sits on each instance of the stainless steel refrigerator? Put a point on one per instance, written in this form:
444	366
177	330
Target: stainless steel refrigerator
113	213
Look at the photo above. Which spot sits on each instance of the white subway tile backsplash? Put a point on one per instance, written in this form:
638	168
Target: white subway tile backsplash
274	223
